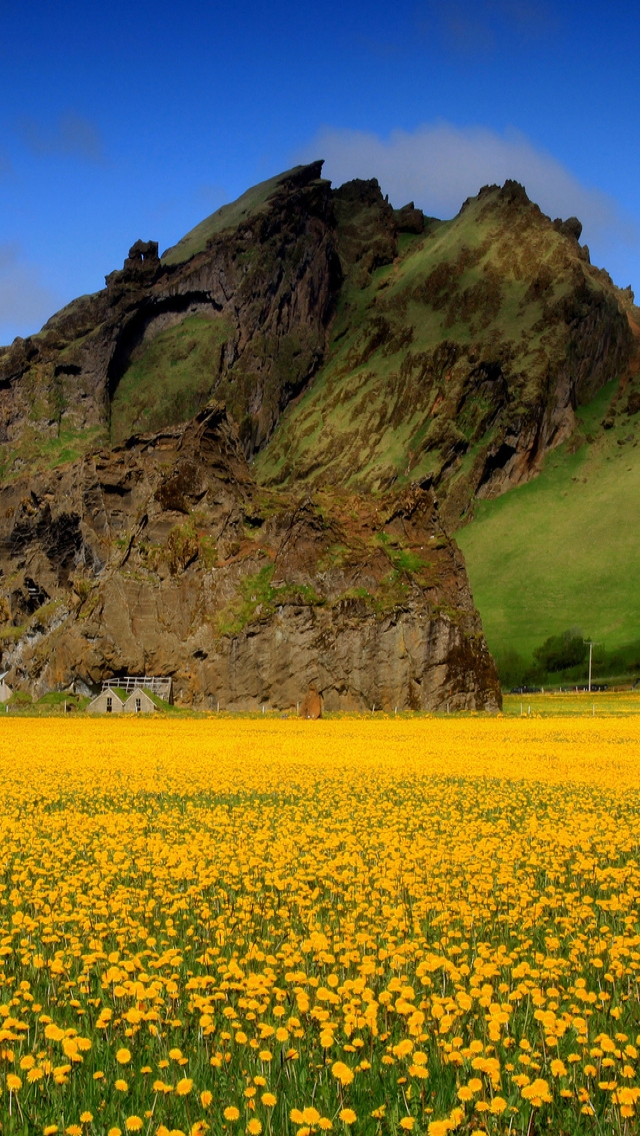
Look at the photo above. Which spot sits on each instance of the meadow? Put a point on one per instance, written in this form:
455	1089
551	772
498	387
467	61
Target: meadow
540	558
285	927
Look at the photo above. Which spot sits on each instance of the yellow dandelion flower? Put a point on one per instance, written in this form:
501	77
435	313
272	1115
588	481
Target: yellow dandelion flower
404	1048
205	1098
537	1093
133	1123
123	1056
121	1085
184	1086
558	1068
231	1113
342	1072
347	1116
269	1100
14	1084
254	1127
86	1117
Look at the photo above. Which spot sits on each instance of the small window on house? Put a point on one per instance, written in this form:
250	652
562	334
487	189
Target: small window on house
109	705
138	705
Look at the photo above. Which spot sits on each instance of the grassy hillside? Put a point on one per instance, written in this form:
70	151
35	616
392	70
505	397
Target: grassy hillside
564	550
169	379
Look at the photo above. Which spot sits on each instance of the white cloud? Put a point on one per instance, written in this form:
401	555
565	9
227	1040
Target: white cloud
476	27
72	136
25	302
438	165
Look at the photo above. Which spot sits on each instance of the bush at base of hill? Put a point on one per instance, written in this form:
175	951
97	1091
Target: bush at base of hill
560	652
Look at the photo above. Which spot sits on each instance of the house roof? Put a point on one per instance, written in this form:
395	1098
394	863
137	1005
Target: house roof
110	693
138	693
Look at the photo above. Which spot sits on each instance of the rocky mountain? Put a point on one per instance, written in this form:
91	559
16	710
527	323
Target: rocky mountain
459	363
224	466
164	557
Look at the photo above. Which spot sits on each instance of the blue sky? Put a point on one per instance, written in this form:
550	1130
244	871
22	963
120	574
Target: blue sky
138	119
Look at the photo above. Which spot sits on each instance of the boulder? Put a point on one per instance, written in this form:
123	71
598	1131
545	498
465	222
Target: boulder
409	219
312	705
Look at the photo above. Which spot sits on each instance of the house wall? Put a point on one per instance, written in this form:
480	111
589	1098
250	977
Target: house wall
147	706
99	704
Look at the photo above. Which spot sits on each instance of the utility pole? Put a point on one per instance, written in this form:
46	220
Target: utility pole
591	646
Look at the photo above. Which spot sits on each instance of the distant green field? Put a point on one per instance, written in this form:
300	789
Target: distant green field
564	550
606	704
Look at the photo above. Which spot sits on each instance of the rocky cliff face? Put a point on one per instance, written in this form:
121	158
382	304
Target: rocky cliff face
163	556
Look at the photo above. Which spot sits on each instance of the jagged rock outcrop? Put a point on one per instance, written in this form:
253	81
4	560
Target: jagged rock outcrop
461	365
164	557
262	291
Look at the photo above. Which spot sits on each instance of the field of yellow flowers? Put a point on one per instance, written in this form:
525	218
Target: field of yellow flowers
286	927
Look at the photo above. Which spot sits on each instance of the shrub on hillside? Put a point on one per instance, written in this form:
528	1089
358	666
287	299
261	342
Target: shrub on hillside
559	652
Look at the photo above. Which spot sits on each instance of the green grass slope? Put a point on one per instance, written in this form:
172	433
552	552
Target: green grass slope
563	550
169	379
